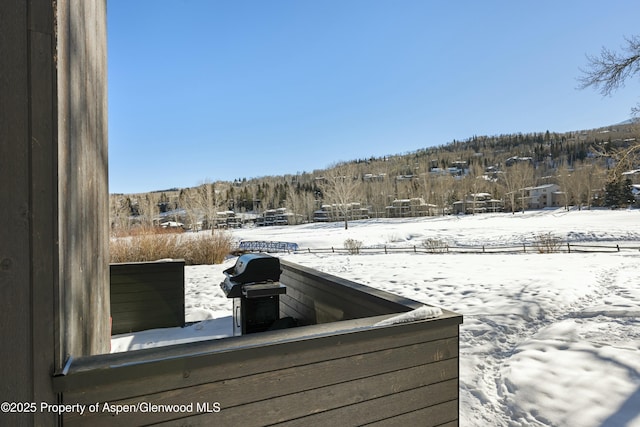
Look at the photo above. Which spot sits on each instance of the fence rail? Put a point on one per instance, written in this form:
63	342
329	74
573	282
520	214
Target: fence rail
267	246
560	247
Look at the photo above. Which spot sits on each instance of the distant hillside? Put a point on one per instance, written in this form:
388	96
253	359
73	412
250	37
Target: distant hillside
439	175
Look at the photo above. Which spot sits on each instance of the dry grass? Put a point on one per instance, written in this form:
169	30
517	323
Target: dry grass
353	246
207	248
435	246
139	230
149	245
547	243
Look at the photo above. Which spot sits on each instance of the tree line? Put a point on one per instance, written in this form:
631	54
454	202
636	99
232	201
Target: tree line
585	164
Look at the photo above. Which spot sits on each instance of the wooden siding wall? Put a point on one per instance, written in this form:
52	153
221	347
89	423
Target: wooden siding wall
147	296
28	216
53	181
314	297
342	373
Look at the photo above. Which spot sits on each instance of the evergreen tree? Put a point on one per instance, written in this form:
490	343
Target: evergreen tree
618	193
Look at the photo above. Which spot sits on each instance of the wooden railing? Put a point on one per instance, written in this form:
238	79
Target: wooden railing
348	371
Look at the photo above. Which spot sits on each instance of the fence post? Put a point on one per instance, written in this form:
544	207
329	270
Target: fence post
524	247
568	247
482	248
332	251
385	249
618	247
414	249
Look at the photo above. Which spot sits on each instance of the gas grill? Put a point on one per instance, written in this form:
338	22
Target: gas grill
254	284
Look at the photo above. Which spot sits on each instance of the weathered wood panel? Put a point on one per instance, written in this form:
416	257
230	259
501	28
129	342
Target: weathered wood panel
82	178
147	296
402	407
295	304
344	372
232	356
351	404
15	232
44	223
29	218
437	415
317	297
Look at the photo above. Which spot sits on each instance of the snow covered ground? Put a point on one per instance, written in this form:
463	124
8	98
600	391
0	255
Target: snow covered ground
547	340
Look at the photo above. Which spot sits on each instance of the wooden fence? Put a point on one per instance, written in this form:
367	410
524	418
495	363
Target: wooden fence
561	247
341	368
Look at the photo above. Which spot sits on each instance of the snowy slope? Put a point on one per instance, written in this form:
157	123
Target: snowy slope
547	339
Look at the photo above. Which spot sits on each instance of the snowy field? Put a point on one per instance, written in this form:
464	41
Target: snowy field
547	339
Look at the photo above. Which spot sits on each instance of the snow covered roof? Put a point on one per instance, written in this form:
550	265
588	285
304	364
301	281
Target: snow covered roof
542	187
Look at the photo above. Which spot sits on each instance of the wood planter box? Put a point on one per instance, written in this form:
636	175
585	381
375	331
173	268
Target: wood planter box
146	295
339	369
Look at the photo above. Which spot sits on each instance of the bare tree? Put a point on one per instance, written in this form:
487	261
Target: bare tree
208	201
148	209
297	206
309	206
477	182
120	212
188	202
515	179
586	179
565	180
375	192
524	175
608	71
340	187
594	181
444	190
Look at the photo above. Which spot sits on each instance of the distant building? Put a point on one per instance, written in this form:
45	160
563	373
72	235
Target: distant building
374	177
278	216
516	159
478	203
543	196
635	190
335	212
405	208
225	219
453	171
633	175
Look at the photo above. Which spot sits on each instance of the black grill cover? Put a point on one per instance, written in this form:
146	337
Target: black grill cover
250	268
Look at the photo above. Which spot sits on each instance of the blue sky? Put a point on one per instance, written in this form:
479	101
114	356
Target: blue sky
207	90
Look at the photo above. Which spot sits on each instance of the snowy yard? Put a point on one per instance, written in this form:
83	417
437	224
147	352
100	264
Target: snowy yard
547	340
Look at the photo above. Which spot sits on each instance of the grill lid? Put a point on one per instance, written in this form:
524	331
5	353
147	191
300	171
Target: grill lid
250	268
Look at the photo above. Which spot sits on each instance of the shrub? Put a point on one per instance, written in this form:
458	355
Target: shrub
207	248
353	246
143	247
547	243
150	246
435	245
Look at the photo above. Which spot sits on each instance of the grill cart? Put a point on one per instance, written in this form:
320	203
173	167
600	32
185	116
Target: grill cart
254	284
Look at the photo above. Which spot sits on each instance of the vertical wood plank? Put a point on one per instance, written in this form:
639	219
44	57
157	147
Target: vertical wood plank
43	209
29	215
15	271
82	189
